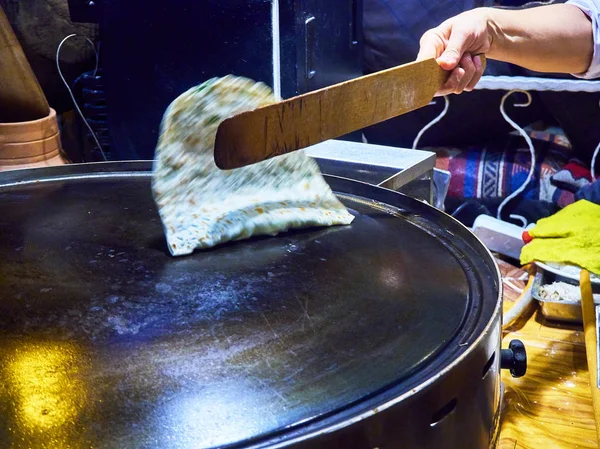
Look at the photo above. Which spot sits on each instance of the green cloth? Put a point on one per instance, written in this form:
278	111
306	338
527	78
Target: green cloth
571	236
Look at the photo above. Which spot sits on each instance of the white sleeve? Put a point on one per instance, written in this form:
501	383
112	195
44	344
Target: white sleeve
592	9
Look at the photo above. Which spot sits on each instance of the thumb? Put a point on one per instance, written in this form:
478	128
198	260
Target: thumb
457	44
431	45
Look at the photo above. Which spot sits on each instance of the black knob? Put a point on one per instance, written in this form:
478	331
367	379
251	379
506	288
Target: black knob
514	358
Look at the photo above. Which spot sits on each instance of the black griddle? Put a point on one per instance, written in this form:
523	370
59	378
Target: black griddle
108	341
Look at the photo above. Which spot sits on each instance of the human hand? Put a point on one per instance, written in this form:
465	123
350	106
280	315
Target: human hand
456	44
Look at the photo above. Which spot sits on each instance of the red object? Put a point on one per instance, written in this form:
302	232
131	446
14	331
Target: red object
526	237
578	171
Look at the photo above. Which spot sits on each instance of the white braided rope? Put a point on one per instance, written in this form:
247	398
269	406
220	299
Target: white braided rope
431	123
522	132
537	84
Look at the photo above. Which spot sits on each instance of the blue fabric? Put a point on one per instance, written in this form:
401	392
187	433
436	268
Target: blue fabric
591	193
392	31
393	28
471	172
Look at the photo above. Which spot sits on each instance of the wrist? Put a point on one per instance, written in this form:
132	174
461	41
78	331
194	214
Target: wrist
495	35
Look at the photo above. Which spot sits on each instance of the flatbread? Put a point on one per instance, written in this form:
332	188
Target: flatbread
202	206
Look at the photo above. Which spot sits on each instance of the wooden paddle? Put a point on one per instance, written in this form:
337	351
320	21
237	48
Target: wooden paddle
21	97
327	113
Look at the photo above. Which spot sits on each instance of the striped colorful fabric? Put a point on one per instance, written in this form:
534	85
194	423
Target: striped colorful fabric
496	170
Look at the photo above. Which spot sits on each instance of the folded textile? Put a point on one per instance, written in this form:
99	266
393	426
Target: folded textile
571	236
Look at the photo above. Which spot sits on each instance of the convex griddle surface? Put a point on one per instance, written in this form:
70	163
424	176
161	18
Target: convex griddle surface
106	340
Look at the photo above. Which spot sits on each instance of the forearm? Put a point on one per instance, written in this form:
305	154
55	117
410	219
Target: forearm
555	38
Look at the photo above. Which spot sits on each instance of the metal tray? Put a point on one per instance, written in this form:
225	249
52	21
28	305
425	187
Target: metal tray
565	310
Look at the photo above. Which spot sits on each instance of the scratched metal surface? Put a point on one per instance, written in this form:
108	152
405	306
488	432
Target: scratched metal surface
107	341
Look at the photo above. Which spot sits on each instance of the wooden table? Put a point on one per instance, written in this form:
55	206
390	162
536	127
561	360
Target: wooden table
551	406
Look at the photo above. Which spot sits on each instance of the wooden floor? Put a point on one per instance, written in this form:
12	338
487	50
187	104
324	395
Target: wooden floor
550	407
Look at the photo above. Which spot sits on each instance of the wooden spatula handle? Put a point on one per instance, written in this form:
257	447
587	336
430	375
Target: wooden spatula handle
21	96
591	344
